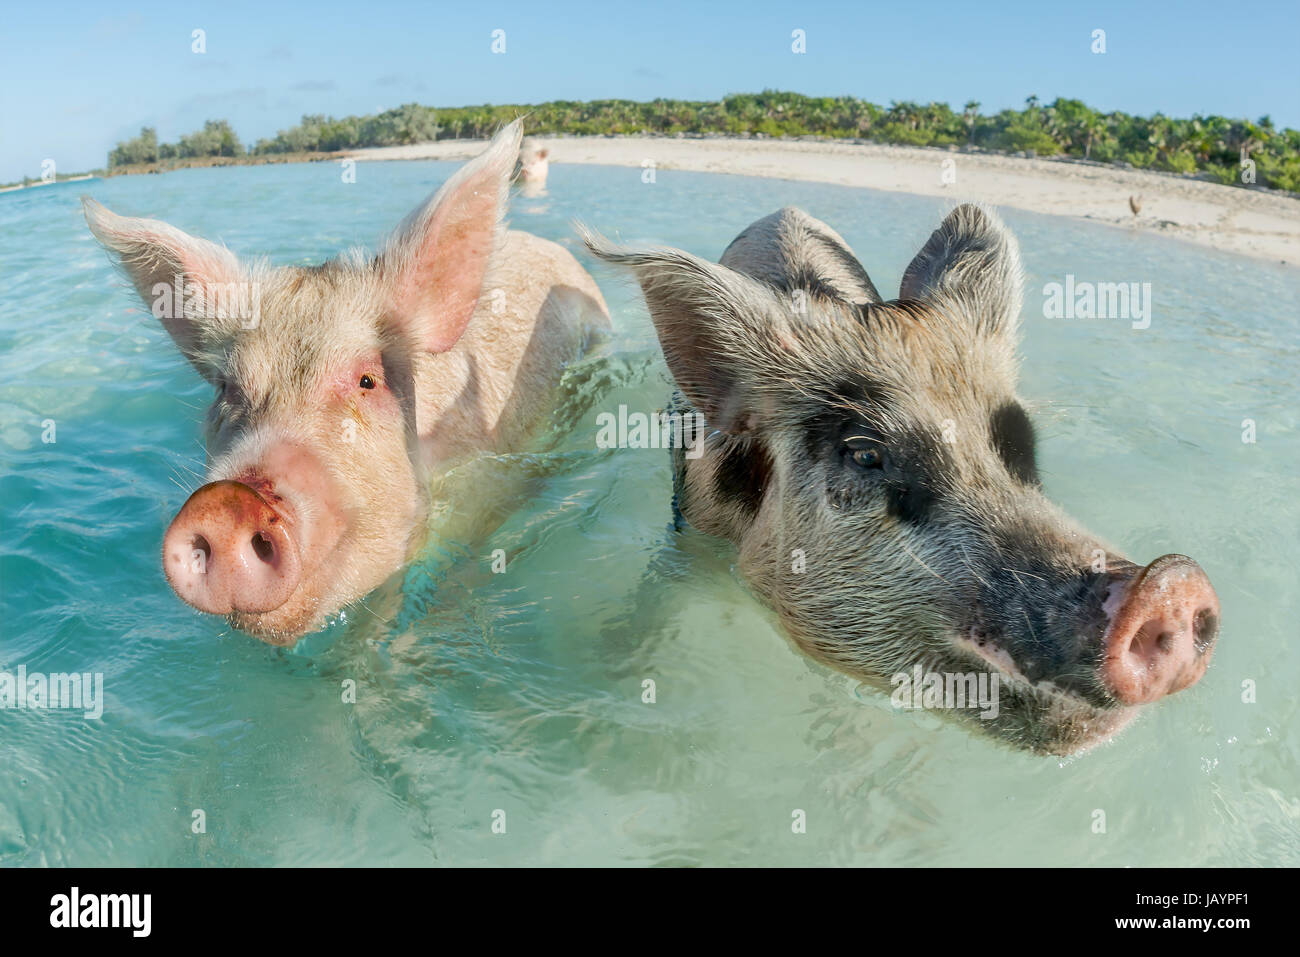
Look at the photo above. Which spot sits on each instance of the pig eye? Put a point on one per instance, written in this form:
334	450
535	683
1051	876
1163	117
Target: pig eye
367	381
867	458
864	452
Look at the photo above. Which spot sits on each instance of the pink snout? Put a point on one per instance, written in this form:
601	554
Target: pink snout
227	550
1162	636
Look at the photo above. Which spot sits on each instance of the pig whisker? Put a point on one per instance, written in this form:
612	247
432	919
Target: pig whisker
970	567
192	473
1021	571
374	614
923	564
1029	624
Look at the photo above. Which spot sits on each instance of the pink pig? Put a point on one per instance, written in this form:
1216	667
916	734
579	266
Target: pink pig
534	164
346	387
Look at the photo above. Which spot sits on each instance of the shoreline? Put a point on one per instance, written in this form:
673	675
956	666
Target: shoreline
1263	224
76	178
1259	223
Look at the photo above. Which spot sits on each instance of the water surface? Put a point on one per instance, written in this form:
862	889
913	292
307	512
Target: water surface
522	692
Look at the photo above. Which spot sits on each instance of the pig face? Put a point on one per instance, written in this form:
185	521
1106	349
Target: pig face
533	164
876	470
315	487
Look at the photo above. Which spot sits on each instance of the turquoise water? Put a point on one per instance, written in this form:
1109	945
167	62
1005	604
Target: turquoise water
522	692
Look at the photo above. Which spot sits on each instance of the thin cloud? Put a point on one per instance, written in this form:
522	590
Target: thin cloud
195	105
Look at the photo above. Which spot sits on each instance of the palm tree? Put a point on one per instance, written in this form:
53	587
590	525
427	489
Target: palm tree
970	114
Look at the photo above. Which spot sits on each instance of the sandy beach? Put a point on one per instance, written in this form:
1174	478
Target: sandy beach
42	182
1251	222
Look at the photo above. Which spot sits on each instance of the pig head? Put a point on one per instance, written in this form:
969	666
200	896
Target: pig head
340	386
534	164
876	470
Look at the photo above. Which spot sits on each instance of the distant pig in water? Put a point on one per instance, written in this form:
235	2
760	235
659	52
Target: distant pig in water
533	164
875	469
341	389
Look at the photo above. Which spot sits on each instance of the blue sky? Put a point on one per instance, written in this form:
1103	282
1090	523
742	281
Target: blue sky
76	78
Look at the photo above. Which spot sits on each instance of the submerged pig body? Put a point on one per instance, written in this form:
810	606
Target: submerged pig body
876	471
356	381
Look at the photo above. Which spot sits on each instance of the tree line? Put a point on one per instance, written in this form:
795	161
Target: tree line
1231	151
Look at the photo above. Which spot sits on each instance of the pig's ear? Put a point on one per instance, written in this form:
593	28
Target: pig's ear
437	260
720	330
971	262
158	258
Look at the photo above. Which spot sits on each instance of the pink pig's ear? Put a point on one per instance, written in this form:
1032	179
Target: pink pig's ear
439	256
159	258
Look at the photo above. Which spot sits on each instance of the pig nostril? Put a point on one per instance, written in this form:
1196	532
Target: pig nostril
1151	642
201	550
263	548
1205	628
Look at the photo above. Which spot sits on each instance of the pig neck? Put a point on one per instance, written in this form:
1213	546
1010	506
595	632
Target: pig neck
463	395
679	405
491	390
719	503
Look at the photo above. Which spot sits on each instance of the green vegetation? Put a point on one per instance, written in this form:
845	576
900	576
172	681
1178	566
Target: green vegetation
215	139
1211	146
141	149
411	123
